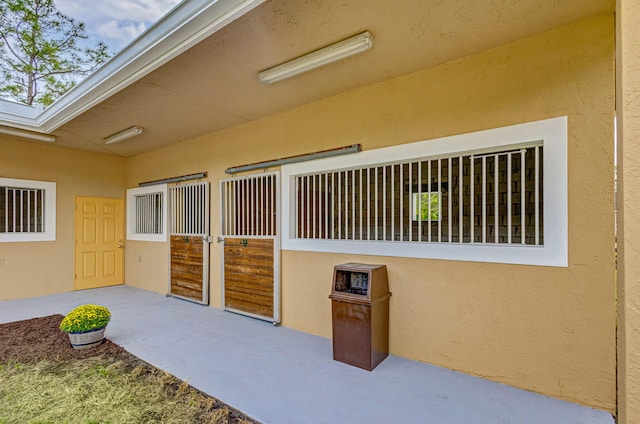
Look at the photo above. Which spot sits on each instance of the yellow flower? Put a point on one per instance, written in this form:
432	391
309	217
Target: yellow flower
85	318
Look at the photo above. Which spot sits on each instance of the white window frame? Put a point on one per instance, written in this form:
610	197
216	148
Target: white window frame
49	221
131	213
554	137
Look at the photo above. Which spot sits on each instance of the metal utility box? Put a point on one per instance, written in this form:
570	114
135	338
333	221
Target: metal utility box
360	313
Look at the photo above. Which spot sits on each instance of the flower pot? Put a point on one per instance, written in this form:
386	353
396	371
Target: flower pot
87	339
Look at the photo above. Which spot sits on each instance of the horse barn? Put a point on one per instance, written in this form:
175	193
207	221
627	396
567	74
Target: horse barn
238	151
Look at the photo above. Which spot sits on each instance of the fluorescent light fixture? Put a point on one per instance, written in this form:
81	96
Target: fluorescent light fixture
17	132
338	51
123	135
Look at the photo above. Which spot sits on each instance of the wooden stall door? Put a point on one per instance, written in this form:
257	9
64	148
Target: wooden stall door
189	233
250	257
248	275
187	273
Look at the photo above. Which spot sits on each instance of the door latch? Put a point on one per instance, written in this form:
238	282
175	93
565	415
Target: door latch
244	242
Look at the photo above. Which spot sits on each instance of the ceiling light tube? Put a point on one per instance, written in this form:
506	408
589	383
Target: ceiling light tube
17	132
123	135
338	51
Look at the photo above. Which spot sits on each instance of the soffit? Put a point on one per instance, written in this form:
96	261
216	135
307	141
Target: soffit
214	84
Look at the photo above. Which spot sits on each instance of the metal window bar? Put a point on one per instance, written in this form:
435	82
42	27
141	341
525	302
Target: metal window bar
353	204
509	189
472	200
313	206
376	203
484	199
297	217
368	186
393	206
522	197
439	201
537	195
409	208
360	205
418	205
326	206
384	203
496	198
261	209
390	207
264	206
460	200
339	206
21	210
347	234
307	207
449	204
421	222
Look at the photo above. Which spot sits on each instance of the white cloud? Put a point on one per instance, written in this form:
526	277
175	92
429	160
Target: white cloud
120	32
116	22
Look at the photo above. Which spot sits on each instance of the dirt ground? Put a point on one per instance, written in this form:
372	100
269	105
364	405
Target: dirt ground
40	339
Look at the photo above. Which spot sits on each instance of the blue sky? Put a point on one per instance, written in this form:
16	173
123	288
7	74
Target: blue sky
115	22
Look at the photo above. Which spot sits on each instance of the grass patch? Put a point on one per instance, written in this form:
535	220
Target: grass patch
101	389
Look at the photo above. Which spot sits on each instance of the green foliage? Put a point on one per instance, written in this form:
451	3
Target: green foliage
40	58
428	205
85	318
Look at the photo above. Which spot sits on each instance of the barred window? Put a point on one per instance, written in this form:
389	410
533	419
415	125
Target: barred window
21	210
497	195
27	210
490	197
147	213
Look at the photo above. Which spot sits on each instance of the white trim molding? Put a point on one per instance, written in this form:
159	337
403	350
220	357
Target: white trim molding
190	22
551	133
133	214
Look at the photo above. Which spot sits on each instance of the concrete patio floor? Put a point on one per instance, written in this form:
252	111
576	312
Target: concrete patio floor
278	375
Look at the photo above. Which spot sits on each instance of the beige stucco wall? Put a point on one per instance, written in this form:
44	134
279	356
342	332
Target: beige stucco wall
37	268
147	265
550	330
628	114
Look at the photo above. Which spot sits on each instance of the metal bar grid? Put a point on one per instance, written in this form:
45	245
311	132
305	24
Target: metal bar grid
387	202
21	210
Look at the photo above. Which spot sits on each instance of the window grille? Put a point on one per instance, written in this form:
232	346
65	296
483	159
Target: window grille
189	205
488	197
149	213
22	210
27	210
249	205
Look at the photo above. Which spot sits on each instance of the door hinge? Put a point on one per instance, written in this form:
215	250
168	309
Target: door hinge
220	239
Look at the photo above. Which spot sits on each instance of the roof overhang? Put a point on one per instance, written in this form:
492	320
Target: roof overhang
186	25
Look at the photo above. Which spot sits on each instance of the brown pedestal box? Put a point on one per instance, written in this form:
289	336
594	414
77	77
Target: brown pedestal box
360	312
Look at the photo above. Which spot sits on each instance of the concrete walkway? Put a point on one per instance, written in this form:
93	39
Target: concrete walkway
278	375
